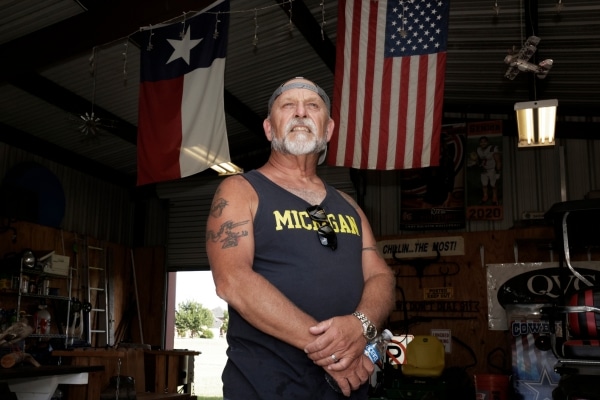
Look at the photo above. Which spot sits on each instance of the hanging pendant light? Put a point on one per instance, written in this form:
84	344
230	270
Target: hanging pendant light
535	122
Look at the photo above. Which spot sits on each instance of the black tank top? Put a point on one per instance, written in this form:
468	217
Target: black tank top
322	282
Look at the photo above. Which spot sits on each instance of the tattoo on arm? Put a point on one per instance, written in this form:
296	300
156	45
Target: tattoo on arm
226	235
216	209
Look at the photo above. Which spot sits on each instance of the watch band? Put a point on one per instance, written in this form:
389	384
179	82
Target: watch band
363	319
369	329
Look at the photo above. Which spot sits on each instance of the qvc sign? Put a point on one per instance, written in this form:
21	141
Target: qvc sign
542	285
550	285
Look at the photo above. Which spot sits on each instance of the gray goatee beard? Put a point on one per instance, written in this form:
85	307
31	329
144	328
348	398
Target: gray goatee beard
310	144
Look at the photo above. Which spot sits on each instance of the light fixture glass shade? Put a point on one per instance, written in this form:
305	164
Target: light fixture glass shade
535	122
28	258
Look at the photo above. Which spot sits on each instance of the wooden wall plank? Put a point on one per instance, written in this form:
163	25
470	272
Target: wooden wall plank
468	285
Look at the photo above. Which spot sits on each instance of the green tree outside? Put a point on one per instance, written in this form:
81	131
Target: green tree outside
192	317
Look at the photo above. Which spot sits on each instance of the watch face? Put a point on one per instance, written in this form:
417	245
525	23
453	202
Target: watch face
371	332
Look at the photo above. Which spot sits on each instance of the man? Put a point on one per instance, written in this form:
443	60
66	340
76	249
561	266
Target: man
296	261
490	161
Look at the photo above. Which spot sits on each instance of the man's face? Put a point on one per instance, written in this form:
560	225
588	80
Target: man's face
299	122
483	143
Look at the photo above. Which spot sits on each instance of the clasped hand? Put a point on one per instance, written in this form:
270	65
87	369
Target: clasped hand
339	349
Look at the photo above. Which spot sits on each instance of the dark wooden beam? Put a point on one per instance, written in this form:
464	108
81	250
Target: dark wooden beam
105	22
58	96
311	30
242	113
59	155
90	26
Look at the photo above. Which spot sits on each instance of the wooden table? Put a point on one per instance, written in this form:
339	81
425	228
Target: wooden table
31	383
157	373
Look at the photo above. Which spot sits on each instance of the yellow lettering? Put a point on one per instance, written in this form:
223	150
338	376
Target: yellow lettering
283	220
333	222
297	223
353	226
304	218
344	228
294	219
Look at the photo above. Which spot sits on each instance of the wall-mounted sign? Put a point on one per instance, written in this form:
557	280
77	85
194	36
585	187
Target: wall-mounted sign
396	349
531	283
441	293
422	247
445	336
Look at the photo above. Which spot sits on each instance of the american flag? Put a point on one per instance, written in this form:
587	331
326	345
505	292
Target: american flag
389	83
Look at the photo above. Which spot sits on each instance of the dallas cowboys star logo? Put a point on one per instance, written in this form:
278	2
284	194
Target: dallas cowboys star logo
542	389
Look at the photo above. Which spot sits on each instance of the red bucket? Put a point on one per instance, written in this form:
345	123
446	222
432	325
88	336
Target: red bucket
492	387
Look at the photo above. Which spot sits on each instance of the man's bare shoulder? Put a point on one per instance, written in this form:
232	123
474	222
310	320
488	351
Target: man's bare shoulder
349	199
235	191
234	184
235	180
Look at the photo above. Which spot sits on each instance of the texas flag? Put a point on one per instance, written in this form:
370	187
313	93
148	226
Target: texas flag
181	122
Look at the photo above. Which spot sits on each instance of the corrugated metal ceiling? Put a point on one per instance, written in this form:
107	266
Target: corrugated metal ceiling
47	85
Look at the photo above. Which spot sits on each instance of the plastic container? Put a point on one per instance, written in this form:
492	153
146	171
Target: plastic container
376	349
41	320
24	284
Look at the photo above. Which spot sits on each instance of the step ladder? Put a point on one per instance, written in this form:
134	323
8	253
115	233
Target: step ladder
99	330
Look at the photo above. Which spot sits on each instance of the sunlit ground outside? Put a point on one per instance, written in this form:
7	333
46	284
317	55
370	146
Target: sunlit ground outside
208	366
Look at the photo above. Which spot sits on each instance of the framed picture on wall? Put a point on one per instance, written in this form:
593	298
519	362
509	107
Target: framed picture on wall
484	171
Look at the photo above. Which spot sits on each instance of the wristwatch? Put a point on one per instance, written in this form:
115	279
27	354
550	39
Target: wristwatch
369	330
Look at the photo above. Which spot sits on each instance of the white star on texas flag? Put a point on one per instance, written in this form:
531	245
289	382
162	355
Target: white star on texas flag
183	47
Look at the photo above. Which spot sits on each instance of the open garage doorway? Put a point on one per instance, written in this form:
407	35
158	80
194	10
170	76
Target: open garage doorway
191	292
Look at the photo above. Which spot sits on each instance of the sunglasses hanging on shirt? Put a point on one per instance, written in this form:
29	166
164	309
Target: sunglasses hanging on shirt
325	232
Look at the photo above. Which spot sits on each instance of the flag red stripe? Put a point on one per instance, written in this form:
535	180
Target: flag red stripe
162	134
371	47
440	77
421	112
385	115
403	111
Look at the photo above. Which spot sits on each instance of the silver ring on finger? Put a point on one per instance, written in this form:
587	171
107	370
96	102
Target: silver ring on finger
334	358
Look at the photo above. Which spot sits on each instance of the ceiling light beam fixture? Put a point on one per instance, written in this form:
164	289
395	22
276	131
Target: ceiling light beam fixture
227	168
535	122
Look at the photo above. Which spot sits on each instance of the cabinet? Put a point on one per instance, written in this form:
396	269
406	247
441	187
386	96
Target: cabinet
41	278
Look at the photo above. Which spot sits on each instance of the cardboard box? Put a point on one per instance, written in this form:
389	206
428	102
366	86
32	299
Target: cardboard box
56	264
